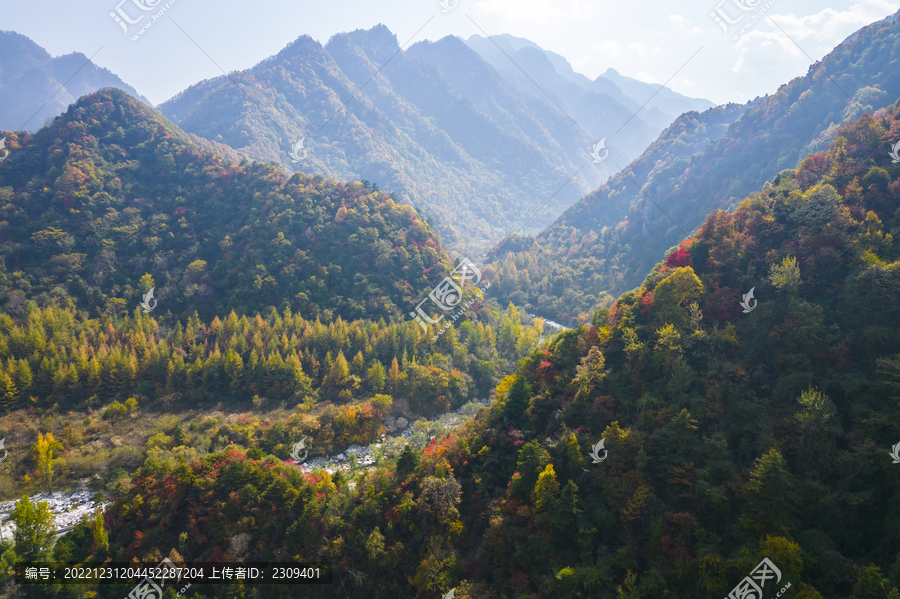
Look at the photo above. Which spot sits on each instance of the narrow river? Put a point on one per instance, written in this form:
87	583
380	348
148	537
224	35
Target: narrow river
69	507
417	434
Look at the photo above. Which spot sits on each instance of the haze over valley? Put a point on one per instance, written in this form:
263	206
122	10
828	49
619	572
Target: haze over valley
450	300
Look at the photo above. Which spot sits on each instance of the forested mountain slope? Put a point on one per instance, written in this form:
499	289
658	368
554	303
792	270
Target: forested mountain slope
730	436
574	288
613	255
122	201
437	125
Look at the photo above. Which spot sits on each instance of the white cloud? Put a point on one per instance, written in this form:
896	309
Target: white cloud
758	50
638	43
830	25
646	78
609	49
637	48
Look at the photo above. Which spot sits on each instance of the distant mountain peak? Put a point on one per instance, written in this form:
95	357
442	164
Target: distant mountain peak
36	86
661	111
378	34
294	48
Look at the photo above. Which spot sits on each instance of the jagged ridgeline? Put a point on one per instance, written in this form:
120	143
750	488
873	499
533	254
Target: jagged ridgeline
438	125
729	436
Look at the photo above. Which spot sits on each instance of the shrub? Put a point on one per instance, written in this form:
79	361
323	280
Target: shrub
786	275
678	258
159	439
115	411
126	457
383	402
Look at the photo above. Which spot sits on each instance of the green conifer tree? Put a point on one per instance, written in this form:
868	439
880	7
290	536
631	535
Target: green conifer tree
517	401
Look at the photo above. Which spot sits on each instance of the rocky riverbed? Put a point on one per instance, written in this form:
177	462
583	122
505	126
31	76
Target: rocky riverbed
67	507
417	433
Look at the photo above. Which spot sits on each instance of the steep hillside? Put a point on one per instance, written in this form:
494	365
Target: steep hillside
437	126
777	132
123	201
30	77
728	436
572	280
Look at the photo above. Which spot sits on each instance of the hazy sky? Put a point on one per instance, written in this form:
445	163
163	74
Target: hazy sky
647	40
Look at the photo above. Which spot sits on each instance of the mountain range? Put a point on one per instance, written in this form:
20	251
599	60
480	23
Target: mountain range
526	64
452	127
35	87
727	403
438	125
608	241
124	222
